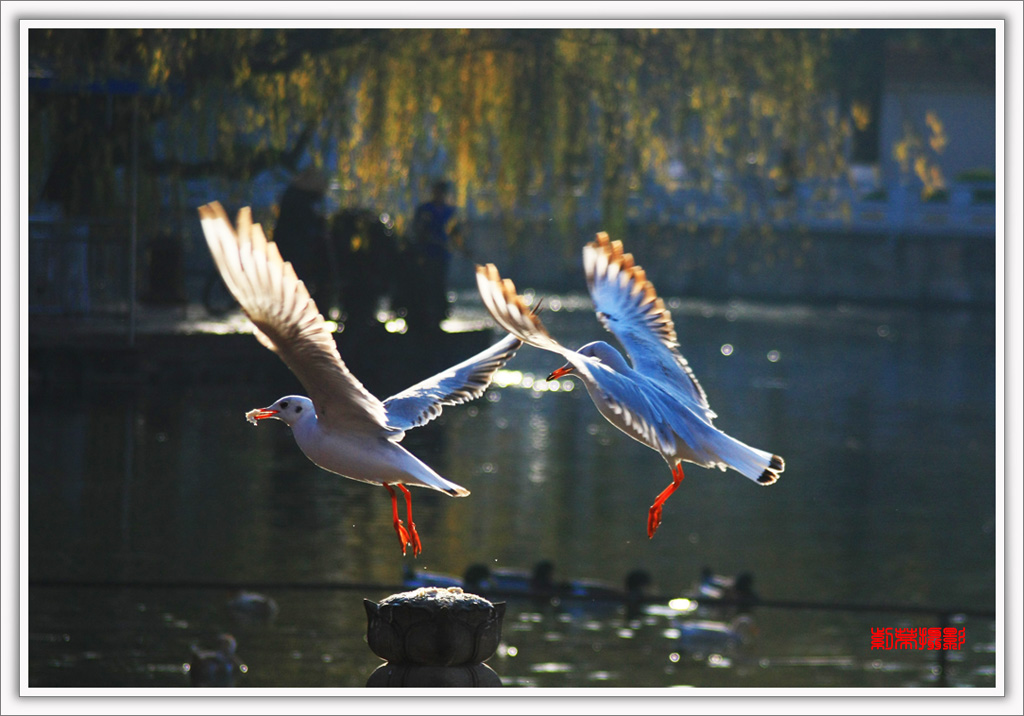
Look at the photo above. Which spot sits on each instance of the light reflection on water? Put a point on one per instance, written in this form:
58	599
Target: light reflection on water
886	421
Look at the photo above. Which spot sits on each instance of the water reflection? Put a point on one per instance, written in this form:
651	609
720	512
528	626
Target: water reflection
888	497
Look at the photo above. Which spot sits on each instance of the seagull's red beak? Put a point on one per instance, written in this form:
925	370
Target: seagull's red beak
260	414
564	370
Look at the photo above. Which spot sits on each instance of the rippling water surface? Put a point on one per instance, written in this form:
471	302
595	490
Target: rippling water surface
886	420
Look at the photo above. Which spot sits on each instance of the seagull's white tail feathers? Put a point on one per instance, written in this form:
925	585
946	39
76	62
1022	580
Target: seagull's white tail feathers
421	474
436	482
762	467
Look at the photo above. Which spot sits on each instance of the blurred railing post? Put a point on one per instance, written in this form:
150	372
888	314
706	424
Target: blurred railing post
434	637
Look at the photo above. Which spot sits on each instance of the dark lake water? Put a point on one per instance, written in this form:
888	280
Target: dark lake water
886	419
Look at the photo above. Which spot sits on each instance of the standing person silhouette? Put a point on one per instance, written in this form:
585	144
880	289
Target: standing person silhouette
301	233
435	231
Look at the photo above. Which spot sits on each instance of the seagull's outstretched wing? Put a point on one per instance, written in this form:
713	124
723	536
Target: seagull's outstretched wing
628	306
634	412
509	310
466	381
287	320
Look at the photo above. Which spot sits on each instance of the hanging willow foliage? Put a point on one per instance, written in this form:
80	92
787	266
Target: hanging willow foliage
555	121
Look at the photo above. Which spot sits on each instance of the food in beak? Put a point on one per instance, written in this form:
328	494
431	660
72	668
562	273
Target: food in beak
259	414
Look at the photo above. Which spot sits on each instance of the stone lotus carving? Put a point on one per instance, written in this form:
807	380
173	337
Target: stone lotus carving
434	627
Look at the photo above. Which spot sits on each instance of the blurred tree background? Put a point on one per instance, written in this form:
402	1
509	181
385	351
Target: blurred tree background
518	119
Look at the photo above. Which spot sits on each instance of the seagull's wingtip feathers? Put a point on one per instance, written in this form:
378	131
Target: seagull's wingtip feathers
212	210
771	474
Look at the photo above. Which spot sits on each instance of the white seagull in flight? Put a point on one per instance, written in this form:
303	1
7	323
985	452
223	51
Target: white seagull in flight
341	426
657	400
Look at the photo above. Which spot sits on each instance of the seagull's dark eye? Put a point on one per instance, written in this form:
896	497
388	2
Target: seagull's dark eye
298	409
284	405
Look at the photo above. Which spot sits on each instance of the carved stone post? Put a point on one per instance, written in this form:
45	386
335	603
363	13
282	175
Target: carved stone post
434	637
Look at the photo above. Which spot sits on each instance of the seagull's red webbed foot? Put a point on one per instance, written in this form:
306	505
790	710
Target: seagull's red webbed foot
405	536
413	537
654	514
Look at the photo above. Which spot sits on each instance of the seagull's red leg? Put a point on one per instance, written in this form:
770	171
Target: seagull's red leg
654	514
403	534
415	538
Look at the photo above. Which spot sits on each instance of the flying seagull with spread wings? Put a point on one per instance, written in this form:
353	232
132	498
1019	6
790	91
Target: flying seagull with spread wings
341	426
656	400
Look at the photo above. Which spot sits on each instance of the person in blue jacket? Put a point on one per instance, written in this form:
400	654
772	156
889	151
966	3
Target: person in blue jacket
436	231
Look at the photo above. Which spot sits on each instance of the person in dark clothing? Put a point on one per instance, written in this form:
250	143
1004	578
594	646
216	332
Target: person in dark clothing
435	231
301	234
364	242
